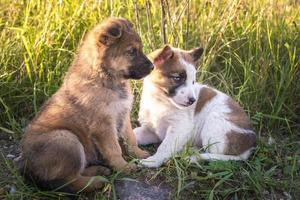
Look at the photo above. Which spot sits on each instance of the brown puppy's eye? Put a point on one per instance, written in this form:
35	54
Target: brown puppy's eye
132	51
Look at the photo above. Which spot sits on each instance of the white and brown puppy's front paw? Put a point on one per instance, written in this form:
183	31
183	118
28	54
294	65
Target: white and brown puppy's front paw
151	162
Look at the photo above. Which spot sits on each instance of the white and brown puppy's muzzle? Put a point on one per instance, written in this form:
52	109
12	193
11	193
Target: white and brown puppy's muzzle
175	74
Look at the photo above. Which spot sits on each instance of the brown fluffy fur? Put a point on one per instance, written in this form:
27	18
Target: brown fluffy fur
77	129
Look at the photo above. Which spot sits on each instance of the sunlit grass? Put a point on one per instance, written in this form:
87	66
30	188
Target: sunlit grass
252	52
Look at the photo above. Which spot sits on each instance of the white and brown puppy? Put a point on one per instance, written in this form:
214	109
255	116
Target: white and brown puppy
175	109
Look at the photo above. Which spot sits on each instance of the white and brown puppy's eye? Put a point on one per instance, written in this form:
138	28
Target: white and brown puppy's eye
193	82
176	77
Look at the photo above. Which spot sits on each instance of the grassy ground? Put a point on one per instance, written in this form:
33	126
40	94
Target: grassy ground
252	52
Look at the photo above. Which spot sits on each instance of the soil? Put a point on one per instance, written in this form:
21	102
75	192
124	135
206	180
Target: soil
9	150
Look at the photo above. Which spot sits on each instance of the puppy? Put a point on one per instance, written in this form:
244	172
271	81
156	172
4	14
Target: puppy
77	129
175	109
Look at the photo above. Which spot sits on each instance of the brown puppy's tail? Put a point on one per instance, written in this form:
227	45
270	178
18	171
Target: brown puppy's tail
82	183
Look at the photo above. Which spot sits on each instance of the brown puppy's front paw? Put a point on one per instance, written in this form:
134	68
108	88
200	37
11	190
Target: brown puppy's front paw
123	166
130	167
141	154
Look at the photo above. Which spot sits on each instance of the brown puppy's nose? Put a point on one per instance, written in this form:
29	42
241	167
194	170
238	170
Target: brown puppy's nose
150	65
191	100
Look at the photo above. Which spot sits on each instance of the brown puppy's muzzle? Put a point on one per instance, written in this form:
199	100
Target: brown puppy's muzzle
141	69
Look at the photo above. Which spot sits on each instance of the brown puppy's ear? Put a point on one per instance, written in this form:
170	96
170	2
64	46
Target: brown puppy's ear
160	56
110	33
196	53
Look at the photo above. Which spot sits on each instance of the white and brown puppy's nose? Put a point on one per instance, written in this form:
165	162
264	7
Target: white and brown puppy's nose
191	100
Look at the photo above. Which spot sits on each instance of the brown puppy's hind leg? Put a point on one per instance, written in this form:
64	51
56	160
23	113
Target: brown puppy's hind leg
55	160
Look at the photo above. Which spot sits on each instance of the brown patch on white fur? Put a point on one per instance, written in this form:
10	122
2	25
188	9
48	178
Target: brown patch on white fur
238	143
193	55
237	115
205	95
79	125
187	57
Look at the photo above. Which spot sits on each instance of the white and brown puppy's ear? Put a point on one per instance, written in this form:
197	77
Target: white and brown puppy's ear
162	55
196	53
110	33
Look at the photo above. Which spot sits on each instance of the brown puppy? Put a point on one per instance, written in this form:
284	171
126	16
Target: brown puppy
78	127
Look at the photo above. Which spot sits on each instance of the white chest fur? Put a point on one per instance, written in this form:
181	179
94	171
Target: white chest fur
157	113
121	105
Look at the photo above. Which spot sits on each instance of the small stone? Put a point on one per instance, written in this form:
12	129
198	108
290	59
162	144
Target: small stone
13	190
287	195
271	140
17	159
11	156
133	189
266	192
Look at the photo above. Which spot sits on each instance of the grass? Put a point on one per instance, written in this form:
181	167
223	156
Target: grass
252	52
